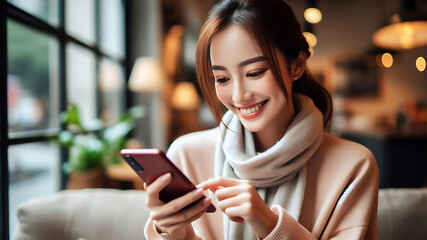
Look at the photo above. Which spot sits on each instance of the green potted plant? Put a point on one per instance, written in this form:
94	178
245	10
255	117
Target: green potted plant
93	146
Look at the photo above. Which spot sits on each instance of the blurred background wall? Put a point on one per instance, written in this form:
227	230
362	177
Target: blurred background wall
367	95
379	93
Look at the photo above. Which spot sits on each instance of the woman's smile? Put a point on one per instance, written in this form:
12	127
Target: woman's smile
245	84
253	110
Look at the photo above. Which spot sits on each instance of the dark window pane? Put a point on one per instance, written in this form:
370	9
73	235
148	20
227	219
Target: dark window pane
112	27
46	10
32	79
81	81
80	19
33	172
112	86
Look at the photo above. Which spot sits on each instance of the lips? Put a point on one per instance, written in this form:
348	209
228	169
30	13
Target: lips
252	111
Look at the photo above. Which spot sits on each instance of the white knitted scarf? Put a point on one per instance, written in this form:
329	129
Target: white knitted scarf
273	172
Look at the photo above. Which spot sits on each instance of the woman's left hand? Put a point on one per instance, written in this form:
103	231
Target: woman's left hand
239	200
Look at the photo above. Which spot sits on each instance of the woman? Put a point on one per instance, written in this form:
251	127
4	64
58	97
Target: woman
274	171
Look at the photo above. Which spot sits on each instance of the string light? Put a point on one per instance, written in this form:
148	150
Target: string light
387	60
311	38
420	63
313	15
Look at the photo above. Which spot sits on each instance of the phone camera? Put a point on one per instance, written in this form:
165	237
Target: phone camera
133	164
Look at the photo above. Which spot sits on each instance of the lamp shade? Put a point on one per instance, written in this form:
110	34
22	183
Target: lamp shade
185	97
146	76
405	29
110	76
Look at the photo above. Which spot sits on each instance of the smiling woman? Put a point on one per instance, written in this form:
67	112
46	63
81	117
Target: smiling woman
272	170
249	88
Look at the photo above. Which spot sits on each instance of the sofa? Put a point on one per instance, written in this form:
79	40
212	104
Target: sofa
111	214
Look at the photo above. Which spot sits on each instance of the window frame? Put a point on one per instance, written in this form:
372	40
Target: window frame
10	11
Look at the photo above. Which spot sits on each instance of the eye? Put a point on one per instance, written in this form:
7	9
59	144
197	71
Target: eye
221	80
256	74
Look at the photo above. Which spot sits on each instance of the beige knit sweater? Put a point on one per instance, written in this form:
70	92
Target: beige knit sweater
340	200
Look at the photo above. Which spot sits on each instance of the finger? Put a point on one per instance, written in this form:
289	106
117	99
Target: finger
231	202
224	193
177	204
236	213
216	183
180	225
187	215
155	187
228	205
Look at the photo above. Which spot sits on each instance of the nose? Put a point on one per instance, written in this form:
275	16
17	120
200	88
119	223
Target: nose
241	92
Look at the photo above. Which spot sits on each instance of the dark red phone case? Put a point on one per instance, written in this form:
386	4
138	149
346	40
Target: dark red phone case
153	163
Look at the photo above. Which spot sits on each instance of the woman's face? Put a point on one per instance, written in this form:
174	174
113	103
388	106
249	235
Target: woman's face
246	85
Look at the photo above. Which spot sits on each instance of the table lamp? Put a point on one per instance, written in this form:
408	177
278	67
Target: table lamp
146	76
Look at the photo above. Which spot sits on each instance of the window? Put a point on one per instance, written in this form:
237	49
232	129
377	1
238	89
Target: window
31	79
57	52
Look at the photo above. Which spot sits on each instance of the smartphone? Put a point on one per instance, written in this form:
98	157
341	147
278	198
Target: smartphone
150	164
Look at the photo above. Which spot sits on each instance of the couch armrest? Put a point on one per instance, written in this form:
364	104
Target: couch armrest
88	214
402	214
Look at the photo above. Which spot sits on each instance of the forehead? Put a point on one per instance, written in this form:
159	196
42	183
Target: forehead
233	45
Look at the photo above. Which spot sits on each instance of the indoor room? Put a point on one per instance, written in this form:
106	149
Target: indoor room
80	80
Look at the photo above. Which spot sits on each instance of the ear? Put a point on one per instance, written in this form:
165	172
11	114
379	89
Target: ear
298	65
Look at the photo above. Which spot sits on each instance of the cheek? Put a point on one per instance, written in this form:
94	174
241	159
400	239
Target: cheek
224	94
270	84
273	86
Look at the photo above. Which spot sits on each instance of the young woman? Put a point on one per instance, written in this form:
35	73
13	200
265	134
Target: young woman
274	171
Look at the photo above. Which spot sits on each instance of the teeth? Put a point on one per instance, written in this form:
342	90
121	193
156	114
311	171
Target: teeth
252	110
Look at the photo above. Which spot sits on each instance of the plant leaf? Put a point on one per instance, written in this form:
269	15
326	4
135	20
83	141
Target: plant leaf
65	138
119	130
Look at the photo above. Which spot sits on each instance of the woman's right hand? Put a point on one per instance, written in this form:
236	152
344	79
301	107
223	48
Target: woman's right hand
171	217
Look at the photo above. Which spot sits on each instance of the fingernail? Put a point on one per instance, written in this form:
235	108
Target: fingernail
166	176
206	202
198	192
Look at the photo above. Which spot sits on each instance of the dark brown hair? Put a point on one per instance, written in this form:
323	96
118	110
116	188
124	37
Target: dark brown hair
274	26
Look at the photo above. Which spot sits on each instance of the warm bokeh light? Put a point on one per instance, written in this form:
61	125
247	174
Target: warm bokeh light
311	38
110	76
184	97
404	35
421	64
147	75
387	60
313	15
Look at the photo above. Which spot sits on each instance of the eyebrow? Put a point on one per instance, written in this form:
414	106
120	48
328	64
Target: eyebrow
244	63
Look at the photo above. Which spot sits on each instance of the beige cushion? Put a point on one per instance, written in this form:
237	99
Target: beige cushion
84	214
103	214
402	214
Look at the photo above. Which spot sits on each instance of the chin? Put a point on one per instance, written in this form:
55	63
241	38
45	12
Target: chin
252	127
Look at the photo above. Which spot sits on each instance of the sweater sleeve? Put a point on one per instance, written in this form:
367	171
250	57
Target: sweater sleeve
287	227
151	233
353	216
355	213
